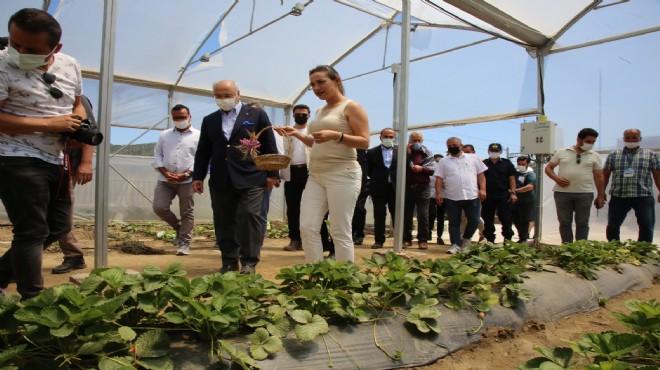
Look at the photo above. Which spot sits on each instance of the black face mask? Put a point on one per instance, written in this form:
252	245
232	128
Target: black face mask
300	119
453	150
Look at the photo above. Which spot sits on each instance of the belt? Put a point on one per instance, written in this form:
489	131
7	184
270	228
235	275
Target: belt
417	186
298	166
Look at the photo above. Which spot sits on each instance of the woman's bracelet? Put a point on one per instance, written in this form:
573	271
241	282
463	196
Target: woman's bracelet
341	137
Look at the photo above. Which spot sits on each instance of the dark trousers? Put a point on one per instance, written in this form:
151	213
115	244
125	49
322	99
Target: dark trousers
28	190
417	198
360	212
381	205
569	205
522	214
455	209
293	190
644	211
497	202
436	212
238	239
265	207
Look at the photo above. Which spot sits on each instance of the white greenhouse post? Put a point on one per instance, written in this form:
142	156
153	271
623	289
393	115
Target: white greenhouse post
540	158
401	89
105	120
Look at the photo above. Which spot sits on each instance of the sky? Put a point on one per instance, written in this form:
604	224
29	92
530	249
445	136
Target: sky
608	87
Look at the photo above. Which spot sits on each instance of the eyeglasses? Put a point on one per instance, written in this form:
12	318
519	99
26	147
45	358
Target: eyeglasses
579	158
50	79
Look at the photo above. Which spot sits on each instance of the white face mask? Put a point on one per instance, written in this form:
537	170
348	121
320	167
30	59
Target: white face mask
388	143
226	104
587	147
494	155
522	168
27	61
181	124
632	145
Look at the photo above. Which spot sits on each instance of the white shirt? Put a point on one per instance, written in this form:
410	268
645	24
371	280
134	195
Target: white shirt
299	151
175	150
25	94
460	176
229	119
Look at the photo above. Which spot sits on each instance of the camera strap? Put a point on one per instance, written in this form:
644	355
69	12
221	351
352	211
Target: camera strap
63	188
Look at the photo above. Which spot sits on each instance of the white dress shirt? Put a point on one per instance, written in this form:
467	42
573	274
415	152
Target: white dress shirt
175	150
460	176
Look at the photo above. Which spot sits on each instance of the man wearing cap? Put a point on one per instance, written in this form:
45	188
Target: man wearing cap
501	190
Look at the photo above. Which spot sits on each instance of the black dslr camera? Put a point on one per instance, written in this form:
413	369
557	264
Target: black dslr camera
88	133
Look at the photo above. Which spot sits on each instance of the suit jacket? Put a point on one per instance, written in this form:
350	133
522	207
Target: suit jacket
228	168
378	173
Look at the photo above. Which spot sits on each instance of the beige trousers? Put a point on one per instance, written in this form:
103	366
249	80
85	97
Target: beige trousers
336	192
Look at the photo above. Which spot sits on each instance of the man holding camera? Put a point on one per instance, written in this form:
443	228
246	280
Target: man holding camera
40	102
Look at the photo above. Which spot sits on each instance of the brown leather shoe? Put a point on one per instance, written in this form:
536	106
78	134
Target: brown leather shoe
423	245
377	246
407	243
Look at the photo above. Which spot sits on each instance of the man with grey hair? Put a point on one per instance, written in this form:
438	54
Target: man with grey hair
633	170
236	183
418	171
461	185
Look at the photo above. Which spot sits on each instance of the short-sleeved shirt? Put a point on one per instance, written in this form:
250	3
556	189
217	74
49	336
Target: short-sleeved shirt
524	179
497	176
581	175
632	173
459	175
25	94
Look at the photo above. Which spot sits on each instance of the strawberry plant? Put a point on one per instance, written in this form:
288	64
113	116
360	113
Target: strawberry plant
610	349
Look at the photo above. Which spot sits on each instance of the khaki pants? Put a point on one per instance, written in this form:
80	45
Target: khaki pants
163	196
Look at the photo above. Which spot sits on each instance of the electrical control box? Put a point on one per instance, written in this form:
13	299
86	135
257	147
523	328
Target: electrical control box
540	137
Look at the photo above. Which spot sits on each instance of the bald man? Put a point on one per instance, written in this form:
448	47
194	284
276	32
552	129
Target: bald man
236	184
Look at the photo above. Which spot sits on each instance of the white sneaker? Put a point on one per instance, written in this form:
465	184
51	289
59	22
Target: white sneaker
183	250
465	245
454	249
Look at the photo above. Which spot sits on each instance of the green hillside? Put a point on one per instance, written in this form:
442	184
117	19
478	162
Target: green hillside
146	149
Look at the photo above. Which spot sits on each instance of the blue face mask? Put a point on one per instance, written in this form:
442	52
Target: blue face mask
416	146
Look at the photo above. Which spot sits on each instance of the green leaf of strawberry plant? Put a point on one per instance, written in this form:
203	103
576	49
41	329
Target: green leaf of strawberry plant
264	344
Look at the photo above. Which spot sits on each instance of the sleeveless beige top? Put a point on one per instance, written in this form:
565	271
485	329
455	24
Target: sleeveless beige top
331	155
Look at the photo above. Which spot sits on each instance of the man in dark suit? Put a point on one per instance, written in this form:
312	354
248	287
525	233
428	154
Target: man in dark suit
236	184
381	167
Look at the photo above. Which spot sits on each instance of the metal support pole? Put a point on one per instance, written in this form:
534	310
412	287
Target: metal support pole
401	124
104	119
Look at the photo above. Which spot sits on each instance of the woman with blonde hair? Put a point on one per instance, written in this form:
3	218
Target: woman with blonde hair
335	176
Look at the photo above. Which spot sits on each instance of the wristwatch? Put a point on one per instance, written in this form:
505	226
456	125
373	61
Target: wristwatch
187	175
512	192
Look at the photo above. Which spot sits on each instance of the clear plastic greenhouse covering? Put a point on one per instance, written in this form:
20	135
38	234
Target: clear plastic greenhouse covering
471	61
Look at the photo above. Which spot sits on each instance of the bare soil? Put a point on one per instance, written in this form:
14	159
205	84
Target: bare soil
500	349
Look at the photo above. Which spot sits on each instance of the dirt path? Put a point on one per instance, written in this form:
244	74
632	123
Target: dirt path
501	349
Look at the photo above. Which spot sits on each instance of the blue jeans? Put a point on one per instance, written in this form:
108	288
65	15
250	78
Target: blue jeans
568	204
644	211
39	217
455	208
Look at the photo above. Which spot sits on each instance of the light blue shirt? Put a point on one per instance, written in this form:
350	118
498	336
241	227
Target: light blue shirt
229	119
387	155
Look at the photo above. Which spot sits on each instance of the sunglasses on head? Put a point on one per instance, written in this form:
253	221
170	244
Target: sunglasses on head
50	79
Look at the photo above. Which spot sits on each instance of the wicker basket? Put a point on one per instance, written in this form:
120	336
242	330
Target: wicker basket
272	162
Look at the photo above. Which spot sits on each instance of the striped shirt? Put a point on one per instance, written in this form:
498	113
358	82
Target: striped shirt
639	183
